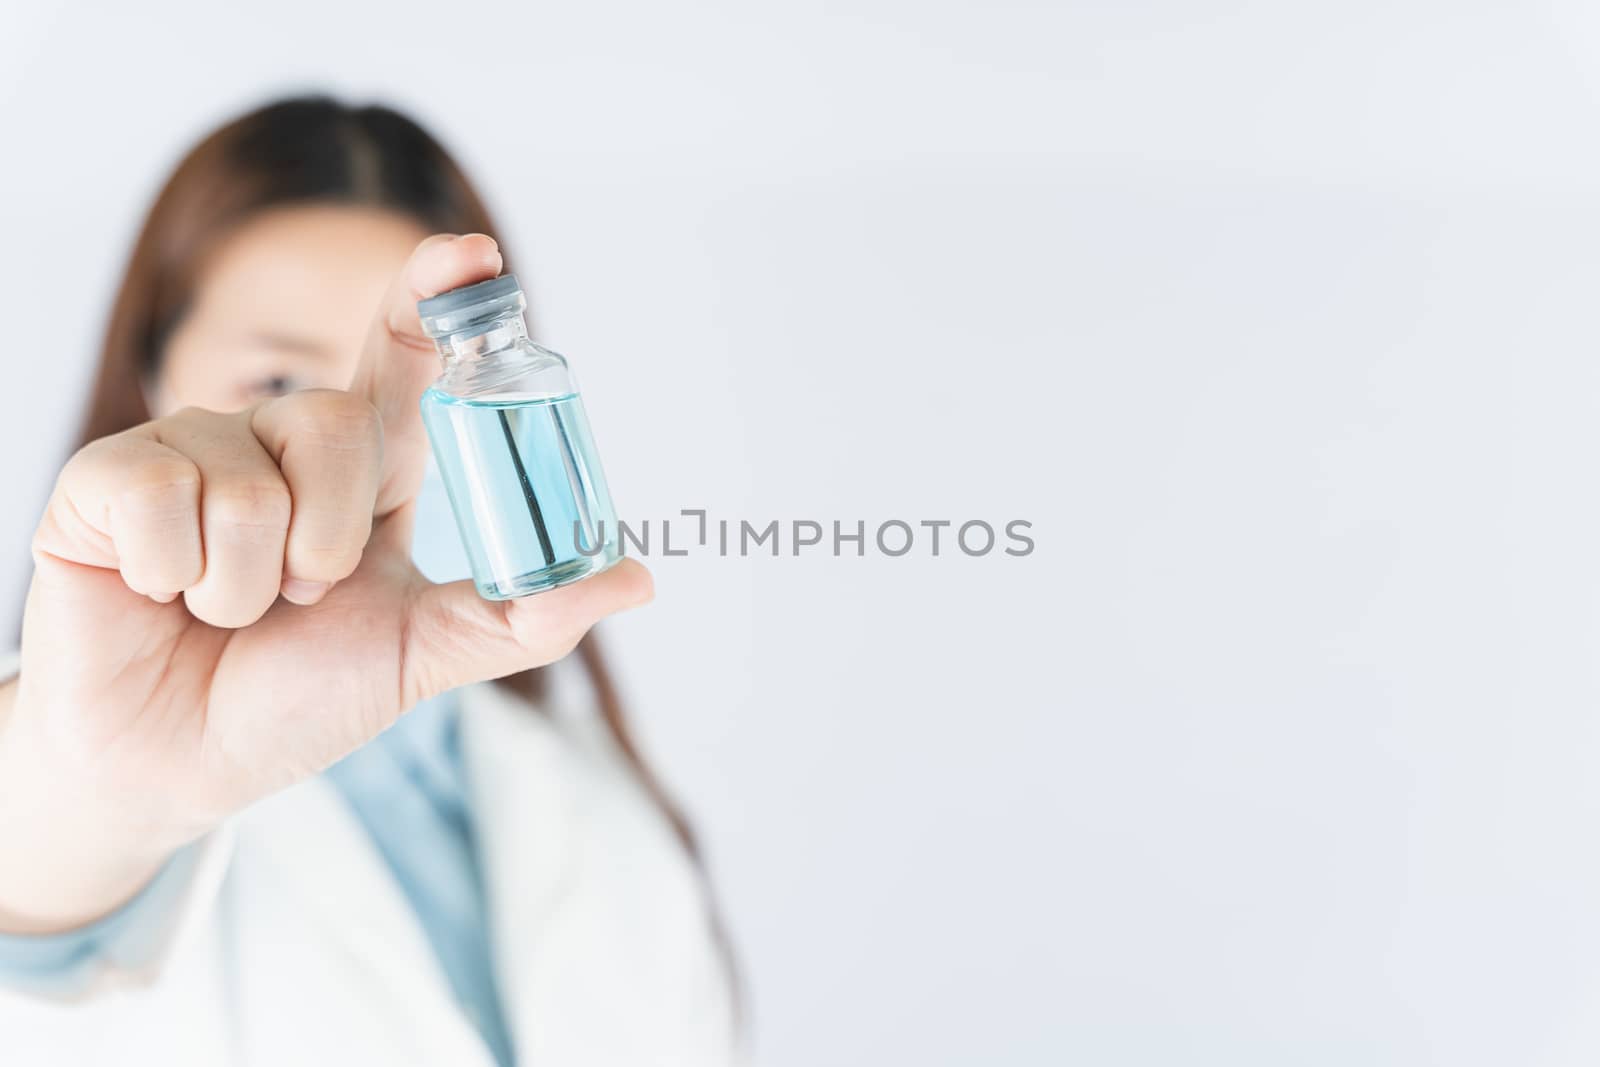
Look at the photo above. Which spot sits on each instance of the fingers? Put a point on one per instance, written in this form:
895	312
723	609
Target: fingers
329	447
245	509
128	503
398	362
163	550
454	637
229	510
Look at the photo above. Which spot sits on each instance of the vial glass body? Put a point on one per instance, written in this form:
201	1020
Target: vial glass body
519	463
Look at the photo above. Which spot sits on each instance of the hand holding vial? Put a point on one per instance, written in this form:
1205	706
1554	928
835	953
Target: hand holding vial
225	604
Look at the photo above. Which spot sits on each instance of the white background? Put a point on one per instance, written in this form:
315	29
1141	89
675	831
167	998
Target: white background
1277	321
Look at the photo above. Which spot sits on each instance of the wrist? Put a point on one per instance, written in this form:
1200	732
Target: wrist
68	854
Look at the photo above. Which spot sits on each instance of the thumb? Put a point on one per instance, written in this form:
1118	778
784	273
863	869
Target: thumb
454	637
398	362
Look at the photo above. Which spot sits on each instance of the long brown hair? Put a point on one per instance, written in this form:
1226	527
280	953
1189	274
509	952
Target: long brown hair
302	150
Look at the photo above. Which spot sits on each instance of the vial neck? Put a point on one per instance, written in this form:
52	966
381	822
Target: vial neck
491	339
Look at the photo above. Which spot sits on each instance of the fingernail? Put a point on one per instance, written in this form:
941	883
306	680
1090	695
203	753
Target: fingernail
492	242
298	591
163	598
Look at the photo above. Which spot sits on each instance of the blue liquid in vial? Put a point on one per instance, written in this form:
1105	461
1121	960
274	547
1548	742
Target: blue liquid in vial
526	487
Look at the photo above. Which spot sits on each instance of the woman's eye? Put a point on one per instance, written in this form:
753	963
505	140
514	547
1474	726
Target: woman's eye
274	385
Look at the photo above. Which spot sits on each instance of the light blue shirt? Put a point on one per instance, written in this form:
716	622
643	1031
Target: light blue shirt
408	788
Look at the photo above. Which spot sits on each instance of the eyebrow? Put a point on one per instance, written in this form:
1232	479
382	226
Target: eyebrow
289	343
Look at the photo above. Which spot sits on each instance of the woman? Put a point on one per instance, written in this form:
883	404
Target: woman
259	803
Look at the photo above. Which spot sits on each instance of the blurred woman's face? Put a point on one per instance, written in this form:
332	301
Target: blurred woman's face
283	304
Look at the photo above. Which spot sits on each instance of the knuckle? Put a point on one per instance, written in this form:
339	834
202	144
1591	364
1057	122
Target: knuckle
547	636
137	470
89	455
148	569
188	414
253	503
160	490
195	421
335	419
165	479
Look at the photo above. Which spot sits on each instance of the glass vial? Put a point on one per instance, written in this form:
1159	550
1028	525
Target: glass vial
513	444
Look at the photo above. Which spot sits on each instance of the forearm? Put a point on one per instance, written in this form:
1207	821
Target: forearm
67	856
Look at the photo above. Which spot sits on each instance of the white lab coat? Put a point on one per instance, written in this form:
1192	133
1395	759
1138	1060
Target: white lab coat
296	947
